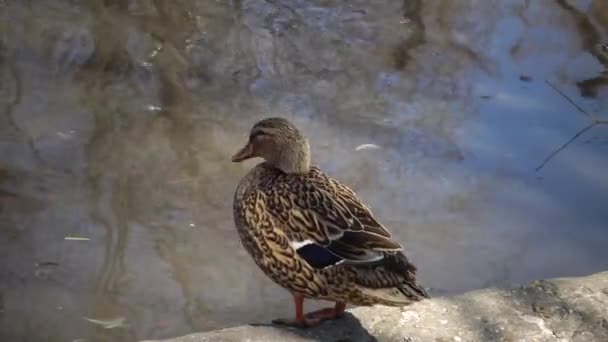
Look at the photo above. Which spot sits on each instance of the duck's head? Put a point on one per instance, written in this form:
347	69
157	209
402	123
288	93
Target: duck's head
280	143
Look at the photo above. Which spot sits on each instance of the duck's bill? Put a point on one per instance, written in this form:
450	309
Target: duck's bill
245	153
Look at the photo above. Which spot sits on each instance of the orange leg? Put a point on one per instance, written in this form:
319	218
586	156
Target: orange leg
328	313
312	319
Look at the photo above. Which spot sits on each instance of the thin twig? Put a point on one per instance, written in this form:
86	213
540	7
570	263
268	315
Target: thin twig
594	121
568	99
554	153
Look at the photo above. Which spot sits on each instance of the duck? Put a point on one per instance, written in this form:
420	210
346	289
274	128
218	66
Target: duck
311	234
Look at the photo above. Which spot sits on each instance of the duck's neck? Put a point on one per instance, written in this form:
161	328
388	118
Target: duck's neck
294	158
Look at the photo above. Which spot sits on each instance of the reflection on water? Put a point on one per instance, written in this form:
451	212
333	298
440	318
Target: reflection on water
118	119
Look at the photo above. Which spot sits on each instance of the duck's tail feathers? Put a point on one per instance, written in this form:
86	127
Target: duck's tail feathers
414	291
401	295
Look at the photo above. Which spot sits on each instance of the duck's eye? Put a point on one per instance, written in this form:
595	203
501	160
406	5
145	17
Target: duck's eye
257	135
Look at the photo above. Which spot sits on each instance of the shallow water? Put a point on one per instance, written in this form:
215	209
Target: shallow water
118	119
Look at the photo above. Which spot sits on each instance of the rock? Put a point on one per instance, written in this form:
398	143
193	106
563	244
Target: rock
566	309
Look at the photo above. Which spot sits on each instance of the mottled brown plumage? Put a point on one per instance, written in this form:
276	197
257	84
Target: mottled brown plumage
311	234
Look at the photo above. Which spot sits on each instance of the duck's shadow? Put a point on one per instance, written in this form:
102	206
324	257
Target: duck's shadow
348	328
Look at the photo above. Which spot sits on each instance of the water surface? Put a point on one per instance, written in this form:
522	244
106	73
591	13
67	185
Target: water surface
118	120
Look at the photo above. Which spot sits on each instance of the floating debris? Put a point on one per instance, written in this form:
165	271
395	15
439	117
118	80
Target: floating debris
68	135
112	323
525	78
46	263
76	238
367	147
154	108
45	269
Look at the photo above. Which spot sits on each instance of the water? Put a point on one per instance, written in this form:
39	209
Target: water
119	119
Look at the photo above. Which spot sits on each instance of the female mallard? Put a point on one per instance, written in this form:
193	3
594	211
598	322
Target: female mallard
311	234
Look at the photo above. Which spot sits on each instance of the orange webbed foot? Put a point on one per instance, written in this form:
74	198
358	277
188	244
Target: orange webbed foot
313	318
325	314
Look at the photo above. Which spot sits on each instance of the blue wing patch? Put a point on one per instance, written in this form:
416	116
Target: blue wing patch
318	256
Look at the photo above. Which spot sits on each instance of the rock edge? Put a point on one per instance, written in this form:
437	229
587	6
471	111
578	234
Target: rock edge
562	309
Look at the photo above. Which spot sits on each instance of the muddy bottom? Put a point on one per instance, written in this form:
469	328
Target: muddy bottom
118	119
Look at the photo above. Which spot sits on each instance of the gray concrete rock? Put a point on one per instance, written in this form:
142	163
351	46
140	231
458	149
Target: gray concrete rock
566	309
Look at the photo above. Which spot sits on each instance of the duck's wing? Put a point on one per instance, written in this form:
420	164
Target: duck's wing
326	222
